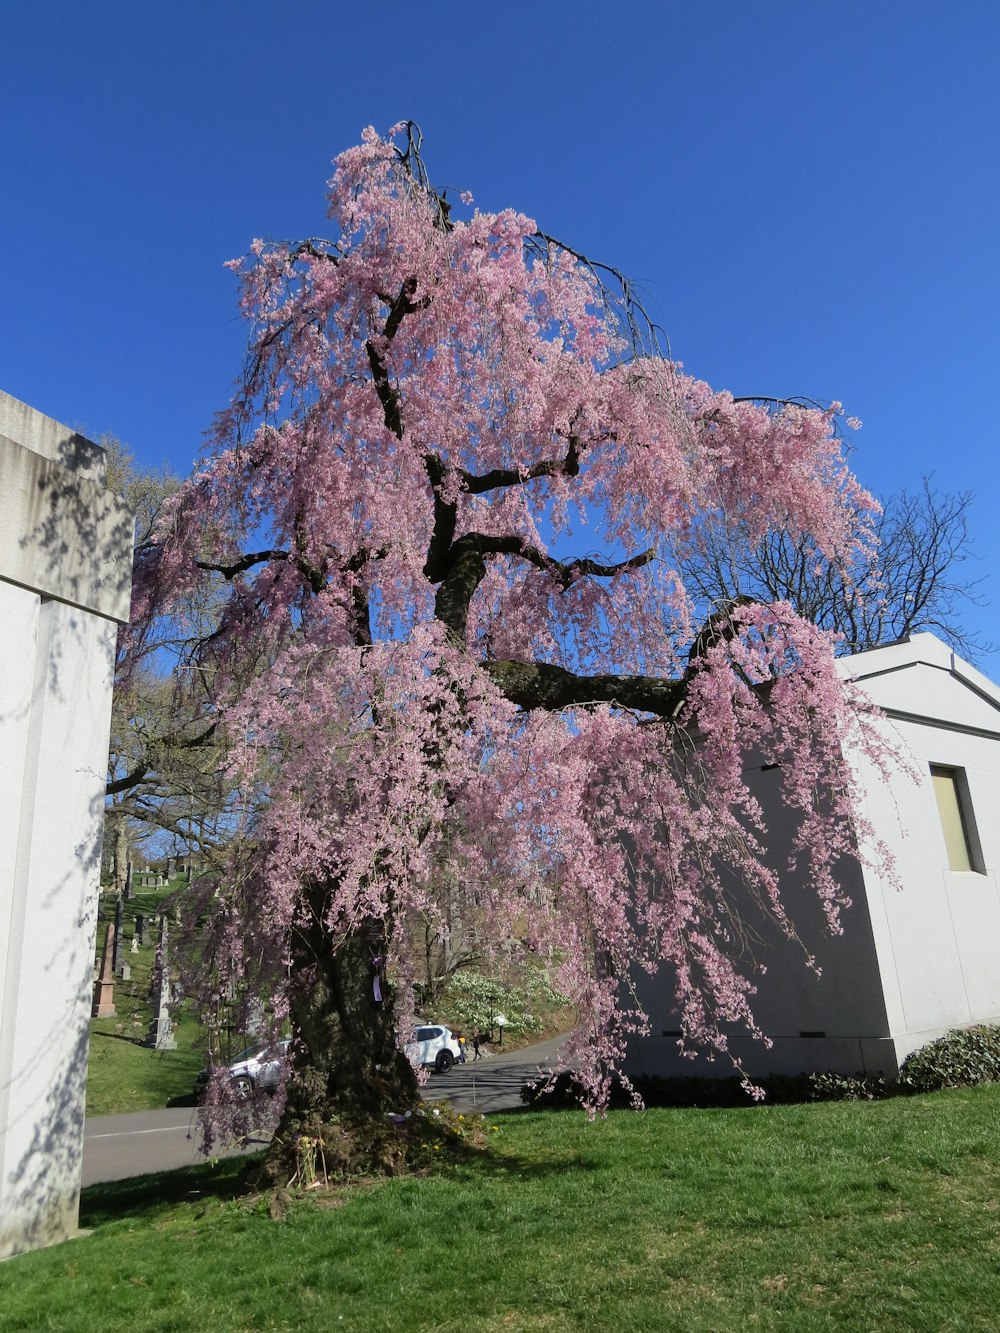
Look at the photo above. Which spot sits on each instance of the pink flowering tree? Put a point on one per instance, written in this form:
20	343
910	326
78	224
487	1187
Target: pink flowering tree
450	650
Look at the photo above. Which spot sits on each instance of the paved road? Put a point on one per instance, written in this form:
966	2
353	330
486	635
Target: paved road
494	1083
118	1146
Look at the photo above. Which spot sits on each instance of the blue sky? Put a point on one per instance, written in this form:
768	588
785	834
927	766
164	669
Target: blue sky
806	192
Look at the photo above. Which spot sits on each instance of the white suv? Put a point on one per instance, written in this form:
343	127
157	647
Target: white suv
436	1046
257	1067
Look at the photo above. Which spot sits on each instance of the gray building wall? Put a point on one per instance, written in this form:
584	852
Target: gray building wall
912	961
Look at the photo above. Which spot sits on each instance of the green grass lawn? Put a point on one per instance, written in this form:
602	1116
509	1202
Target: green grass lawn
849	1216
122	1074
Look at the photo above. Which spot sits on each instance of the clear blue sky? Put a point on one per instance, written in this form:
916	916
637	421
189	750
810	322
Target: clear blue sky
806	190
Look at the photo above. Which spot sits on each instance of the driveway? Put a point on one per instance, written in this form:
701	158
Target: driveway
493	1083
118	1146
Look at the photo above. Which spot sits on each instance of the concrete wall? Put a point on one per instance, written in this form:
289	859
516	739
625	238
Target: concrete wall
832	1017
65	566
911	963
938	937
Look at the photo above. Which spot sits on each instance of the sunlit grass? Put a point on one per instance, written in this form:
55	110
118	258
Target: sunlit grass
122	1074
852	1216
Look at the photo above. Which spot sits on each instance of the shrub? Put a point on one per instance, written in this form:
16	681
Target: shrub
475	999
959	1059
848	1088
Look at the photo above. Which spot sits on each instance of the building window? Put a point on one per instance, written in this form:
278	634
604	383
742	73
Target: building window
957	824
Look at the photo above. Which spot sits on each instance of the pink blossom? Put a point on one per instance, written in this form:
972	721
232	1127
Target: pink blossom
410	371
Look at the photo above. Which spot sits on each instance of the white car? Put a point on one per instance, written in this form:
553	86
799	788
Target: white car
435	1046
255	1068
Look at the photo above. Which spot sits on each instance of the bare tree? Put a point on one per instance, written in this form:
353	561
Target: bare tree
906	576
166	764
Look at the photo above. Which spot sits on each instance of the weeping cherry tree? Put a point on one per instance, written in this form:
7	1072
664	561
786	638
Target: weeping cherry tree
451	649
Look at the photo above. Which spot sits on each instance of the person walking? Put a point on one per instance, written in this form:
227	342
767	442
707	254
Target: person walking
476	1041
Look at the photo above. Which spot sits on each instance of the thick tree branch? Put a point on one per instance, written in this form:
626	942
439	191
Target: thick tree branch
388	394
550	467
463	567
243	564
129	781
565	572
542	685
313	247
141	771
437	564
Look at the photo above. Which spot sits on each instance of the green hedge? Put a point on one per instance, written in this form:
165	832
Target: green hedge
959	1059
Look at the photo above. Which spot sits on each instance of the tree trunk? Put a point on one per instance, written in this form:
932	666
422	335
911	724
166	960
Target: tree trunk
120	850
348	1073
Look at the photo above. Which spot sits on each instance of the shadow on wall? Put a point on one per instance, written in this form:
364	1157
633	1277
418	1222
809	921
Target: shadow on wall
44	1065
45	1178
65	579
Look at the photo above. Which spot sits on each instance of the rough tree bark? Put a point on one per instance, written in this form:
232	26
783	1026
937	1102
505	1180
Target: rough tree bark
349	1070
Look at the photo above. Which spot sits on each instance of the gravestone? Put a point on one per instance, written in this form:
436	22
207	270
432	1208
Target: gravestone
116	956
161	1032
104	990
128	880
126	971
140	928
256	1020
134	946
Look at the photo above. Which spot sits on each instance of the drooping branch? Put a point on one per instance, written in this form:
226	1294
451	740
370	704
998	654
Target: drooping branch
645	337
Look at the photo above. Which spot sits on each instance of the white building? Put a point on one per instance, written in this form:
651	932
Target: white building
65	574
912	962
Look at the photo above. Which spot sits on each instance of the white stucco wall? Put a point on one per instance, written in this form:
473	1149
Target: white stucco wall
65	559
937	936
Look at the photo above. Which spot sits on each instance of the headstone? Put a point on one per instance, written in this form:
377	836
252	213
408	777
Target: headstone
116	957
104	990
140	928
128	880
126	972
188	872
134	946
161	1032
256	1020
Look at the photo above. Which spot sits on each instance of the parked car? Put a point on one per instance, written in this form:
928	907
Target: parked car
435	1047
254	1068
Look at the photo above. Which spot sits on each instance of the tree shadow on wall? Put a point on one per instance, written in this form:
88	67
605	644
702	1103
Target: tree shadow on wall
68	570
